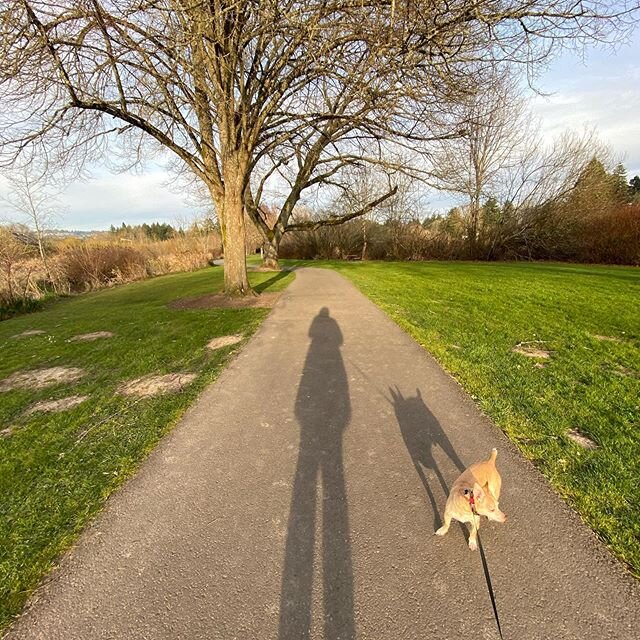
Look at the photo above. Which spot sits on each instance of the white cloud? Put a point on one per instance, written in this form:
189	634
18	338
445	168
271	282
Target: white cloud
107	199
113	199
602	93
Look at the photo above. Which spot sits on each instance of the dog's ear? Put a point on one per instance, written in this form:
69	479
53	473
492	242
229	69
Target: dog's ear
478	492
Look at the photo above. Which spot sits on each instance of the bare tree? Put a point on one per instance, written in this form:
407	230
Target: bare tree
534	188
498	131
33	201
236	89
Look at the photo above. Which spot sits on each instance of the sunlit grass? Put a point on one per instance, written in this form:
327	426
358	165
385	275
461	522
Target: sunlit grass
471	315
56	470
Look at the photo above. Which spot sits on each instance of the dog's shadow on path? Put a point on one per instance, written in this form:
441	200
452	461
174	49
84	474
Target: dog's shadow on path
421	433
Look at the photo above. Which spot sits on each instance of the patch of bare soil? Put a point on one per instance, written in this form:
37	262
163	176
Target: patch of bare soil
624	372
581	439
6	433
39	378
224	341
30	332
530	350
619	370
89	337
606	338
218	301
55	406
154	385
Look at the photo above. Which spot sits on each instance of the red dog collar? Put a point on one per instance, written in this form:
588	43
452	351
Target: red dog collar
472	501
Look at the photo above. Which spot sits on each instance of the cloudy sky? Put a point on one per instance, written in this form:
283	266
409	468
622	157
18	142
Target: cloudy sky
602	91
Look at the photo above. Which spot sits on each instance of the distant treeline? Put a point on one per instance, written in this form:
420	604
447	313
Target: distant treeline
598	220
153	231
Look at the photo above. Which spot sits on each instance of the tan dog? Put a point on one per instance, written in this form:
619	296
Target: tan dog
475	493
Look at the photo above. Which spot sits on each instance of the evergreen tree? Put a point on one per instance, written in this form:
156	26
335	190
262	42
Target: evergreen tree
491	213
620	191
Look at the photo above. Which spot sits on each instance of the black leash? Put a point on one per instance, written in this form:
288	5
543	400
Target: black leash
487	577
489	586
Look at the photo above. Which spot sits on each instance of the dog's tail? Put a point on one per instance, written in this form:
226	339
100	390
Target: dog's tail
494	453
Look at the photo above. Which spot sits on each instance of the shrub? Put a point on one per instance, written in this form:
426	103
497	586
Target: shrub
84	266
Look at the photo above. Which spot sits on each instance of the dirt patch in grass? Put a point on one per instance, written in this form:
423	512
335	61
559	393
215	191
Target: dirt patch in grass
624	372
154	385
218	301
30	332
224	341
55	406
531	350
581	439
39	378
619	370
606	338
89	337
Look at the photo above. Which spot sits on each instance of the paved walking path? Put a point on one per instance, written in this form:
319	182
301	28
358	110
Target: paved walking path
298	498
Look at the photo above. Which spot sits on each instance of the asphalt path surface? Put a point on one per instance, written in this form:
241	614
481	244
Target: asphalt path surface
298	497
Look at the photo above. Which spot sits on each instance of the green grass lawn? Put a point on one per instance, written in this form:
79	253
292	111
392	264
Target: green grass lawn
470	316
57	469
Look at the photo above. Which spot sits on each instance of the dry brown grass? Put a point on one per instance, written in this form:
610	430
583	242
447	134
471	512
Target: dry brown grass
76	266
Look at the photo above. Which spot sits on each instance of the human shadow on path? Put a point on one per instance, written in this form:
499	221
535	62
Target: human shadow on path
323	409
422	432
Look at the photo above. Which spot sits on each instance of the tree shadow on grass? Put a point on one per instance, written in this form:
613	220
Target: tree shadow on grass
263	286
323	409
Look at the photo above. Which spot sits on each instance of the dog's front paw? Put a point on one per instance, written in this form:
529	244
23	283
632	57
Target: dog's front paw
473	545
441	531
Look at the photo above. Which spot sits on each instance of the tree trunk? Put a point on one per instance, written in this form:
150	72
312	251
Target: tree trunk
472	229
230	208
270	249
364	240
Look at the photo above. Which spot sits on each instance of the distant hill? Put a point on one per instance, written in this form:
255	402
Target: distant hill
70	233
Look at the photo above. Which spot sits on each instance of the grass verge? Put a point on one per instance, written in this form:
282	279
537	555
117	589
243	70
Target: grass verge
471	316
57	469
